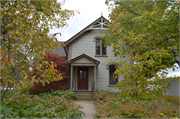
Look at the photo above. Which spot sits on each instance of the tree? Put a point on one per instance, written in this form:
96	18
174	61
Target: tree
24	31
147	32
62	67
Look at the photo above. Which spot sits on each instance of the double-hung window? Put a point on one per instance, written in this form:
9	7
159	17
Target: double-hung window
100	48
113	79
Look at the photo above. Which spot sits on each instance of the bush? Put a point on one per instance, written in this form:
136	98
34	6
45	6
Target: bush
46	106
69	94
124	107
100	95
170	98
61	67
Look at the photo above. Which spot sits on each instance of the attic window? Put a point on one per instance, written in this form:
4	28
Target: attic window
100	48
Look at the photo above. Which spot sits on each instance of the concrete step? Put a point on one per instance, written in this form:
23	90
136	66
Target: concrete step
83	93
81	96
86	96
85	99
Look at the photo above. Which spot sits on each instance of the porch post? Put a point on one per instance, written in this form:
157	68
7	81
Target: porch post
94	78
71	77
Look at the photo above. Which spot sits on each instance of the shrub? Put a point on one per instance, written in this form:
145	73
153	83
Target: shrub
170	98
47	106
125	107
100	95
68	94
61	67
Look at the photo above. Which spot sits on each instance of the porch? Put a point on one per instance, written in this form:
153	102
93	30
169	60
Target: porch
83	73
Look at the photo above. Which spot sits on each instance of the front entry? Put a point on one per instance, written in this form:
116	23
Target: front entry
82	78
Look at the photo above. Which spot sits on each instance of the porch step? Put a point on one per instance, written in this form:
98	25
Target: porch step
86	96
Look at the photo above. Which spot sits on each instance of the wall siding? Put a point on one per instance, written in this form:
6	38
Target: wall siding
174	88
83	60
85	44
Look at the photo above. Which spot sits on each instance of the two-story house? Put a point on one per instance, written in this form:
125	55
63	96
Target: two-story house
88	59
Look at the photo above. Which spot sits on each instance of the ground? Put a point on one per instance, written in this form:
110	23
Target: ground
88	108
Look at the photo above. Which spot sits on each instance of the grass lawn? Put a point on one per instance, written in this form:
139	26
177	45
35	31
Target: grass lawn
110	105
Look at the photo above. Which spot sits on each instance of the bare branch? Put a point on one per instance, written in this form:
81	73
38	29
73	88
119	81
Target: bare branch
3	88
133	12
167	39
5	92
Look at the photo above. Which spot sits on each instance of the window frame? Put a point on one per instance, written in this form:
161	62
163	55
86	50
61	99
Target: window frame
110	74
101	48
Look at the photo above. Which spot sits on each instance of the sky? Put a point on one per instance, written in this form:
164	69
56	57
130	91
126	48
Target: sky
90	10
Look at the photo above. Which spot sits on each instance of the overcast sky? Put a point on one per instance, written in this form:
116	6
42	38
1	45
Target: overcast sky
89	10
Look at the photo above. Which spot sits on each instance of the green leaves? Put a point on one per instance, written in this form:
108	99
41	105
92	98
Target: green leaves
48	106
112	106
140	30
24	33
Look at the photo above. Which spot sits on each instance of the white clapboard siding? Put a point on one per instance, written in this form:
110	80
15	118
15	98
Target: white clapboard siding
86	44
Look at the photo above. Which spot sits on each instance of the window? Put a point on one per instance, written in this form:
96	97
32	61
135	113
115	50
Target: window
113	79
100	48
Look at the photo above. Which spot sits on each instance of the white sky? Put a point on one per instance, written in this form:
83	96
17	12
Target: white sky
89	10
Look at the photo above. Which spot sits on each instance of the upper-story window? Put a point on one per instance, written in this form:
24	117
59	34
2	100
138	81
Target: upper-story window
100	48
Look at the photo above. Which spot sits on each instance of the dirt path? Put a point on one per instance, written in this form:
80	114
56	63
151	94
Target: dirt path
88	108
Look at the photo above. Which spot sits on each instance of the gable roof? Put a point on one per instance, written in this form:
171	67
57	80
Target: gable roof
60	50
86	56
101	21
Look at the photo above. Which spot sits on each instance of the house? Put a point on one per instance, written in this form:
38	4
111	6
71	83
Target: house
88	59
60	50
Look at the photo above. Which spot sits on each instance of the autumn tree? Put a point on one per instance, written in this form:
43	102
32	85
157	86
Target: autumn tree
62	67
24	33
148	33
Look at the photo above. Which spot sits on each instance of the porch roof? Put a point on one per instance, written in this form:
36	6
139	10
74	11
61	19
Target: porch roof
93	61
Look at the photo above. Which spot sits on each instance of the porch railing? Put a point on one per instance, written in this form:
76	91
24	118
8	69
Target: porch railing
92	83
74	85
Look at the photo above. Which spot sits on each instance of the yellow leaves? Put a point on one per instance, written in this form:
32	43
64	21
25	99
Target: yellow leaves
1	9
121	13
47	45
178	1
30	34
52	66
41	34
137	54
27	14
5	82
17	32
154	12
63	44
25	77
32	6
14	81
113	21
7	3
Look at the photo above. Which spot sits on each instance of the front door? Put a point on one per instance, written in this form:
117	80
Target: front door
82	78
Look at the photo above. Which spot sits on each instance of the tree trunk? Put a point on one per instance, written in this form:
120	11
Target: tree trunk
175	52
